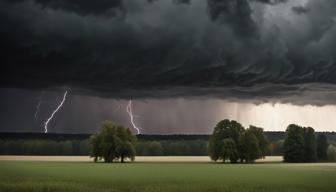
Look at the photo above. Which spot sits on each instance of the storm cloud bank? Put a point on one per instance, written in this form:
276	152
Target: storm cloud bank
84	114
206	46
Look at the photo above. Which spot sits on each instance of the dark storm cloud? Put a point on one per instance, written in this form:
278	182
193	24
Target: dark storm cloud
300	10
237	13
315	94
181	1
111	47
82	7
273	2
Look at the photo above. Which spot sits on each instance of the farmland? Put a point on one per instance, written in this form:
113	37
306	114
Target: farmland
163	174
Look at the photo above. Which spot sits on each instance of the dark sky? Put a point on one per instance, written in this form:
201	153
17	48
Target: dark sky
185	63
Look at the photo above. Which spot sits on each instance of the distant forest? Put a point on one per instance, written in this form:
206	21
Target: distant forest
147	145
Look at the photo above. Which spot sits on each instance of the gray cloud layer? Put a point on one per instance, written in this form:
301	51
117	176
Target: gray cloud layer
83	114
142	45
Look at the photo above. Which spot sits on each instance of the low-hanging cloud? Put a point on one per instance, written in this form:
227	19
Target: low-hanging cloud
167	48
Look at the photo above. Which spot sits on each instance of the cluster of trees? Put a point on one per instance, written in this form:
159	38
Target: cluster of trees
43	147
172	148
301	145
112	142
231	141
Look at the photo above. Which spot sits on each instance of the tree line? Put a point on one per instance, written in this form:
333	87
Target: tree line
229	141
302	145
172	148
44	147
82	147
272	136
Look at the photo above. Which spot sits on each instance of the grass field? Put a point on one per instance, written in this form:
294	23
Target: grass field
165	176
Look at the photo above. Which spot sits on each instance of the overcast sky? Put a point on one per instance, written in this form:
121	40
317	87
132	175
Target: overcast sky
186	64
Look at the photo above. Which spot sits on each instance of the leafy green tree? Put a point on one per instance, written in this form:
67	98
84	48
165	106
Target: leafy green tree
228	151
322	145
262	141
125	144
294	144
331	152
108	142
309	145
223	130
250	150
112	142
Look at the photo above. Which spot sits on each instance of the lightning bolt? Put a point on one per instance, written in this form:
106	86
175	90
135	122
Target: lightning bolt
37	109
130	113
38	106
52	115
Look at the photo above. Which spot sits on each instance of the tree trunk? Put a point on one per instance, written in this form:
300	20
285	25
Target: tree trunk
122	159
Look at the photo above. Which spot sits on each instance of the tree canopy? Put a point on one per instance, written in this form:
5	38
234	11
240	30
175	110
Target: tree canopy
310	153
250	149
112	142
294	144
262	141
228	150
230	141
301	145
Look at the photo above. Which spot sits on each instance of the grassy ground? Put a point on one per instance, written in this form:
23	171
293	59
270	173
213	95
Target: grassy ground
163	176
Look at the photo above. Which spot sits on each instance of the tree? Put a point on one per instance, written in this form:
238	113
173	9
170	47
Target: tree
230	140
322	145
223	130
125	145
228	151
249	144
331	152
262	141
294	144
309	145
112	142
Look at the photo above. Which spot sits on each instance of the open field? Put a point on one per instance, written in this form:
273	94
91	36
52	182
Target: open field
165	176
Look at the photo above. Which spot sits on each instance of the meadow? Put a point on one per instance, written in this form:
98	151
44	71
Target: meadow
146	176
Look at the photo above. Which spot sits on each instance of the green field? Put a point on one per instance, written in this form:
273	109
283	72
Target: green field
174	177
